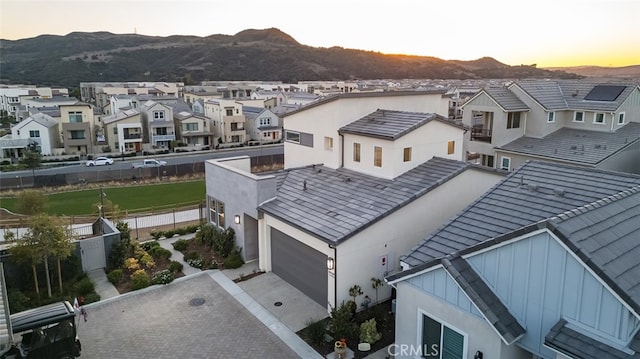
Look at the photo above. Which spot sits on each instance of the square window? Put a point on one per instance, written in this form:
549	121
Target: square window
356	152
505	163
451	147
440	341
578	117
377	156
407	154
513	120
292	136
598	118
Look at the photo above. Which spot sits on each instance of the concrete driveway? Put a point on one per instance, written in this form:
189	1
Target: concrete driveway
204	315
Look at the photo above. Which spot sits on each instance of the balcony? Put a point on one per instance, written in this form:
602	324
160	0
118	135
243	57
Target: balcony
481	134
162	138
132	136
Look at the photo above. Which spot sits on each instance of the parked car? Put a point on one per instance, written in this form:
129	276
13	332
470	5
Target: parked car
149	163
100	161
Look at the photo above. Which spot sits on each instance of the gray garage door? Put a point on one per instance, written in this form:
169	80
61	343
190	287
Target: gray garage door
300	265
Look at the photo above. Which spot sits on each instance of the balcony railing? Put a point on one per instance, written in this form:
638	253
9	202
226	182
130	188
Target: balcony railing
132	136
481	134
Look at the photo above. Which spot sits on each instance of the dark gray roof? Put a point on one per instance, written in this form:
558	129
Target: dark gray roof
582	89
337	204
546	93
606	235
534	192
506	99
576	145
581	346
390	125
484	298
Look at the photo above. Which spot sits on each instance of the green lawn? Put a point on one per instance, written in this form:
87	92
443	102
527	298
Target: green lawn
132	199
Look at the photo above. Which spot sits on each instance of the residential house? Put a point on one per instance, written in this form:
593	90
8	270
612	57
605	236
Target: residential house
262	125
158	126
328	224
123	131
13	98
100	93
39	128
193	94
192	130
77	128
576	122
546	264
227	121
301	98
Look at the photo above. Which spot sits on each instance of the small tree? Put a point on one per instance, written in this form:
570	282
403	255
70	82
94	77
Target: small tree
375	284
32	157
27	250
31	202
355	291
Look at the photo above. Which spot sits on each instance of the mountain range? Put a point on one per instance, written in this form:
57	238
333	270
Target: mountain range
259	55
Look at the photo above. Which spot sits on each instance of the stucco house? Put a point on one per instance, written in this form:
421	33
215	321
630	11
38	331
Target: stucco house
157	118
262	124
227	121
576	122
39	128
346	214
192	129
546	264
123	130
77	128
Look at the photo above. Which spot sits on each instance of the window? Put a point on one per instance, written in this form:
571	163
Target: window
578	117
621	118
217	212
34	133
328	143
505	163
158	115
377	156
75	117
191	127
598	118
293	136
551	117
356	152
440	341
115	130
229	111
407	154
265	121
77	135
451	147
513	120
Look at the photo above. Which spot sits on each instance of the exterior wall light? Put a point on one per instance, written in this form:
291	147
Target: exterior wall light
331	263
236	219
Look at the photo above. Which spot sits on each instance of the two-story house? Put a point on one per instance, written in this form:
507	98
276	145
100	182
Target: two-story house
581	123
158	126
227	121
38	128
543	265
191	129
123	131
359	188
262	125
77	128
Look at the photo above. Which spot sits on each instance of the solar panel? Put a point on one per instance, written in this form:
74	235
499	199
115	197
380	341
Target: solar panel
604	93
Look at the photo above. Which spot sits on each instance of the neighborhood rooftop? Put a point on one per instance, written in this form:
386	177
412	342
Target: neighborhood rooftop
506	99
536	191
390	125
336	204
576	145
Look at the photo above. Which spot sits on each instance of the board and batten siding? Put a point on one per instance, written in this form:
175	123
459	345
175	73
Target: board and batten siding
438	283
541	282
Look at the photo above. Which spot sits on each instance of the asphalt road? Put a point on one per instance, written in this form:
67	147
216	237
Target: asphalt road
172	159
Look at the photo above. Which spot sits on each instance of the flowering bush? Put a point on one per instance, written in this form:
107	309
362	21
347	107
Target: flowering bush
131	264
195	263
147	260
163	277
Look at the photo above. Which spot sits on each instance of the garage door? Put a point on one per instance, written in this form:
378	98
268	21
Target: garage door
300	265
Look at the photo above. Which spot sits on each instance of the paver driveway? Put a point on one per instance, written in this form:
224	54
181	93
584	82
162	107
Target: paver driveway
161	323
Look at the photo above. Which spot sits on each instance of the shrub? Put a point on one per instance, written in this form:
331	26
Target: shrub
147	246
140	279
160	253
206	234
341	324
175	267
224	241
193	259
234	260
180	245
368	332
315	331
191	255
92	298
163	277
131	264
115	276
213	264
17	300
147	261
84	286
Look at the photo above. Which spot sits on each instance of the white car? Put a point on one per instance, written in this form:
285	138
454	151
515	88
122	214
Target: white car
100	161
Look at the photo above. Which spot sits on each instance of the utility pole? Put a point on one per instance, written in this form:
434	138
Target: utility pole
101	207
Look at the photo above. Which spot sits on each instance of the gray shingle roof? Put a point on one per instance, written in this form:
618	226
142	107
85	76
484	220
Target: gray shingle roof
337	204
484	298
506	99
546	93
577	345
390	125
606	235
536	191
581	146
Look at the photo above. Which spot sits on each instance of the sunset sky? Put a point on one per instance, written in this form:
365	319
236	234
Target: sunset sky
544	32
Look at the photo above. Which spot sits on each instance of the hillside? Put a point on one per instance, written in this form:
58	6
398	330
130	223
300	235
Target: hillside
625	72
268	54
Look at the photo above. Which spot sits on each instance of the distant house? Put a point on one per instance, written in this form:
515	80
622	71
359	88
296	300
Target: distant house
227	121
123	131
262	125
77	128
157	119
581	123
193	130
360	186
38	128
546	264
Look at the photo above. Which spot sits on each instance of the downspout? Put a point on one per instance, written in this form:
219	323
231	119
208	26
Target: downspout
335	275
341	149
613	119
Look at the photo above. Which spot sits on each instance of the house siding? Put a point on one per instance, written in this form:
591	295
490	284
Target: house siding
628	160
631	107
540	282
